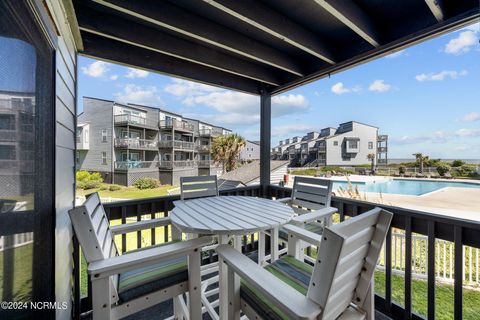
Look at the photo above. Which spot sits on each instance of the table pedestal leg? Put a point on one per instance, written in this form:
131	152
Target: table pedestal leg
222	282
261	248
274	244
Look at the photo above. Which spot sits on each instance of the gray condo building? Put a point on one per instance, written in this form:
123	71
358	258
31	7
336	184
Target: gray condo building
348	144
125	142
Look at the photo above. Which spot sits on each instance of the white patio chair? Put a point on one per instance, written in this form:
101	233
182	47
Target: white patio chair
339	286
197	187
123	285
310	200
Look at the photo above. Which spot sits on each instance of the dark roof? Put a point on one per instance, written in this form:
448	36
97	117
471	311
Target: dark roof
249	172
254	46
254	142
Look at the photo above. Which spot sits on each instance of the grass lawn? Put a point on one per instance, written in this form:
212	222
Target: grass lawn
443	297
128	193
22	274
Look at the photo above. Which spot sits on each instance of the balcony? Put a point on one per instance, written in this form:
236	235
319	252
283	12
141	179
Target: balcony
412	229
177	164
176	144
135	121
382	138
135	165
209	133
206	163
141	144
177	125
382	149
203	147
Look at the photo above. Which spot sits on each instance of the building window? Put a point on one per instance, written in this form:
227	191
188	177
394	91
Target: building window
7	152
104	157
370	145
353	144
77	157
104	135
335	143
7	122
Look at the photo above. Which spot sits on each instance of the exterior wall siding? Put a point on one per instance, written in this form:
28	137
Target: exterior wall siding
251	151
65	109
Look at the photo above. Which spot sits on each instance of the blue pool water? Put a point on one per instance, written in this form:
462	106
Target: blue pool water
409	187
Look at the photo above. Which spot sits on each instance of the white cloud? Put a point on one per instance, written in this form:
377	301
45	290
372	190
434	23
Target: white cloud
114	77
136	73
231	102
379	86
396	54
96	69
140	95
462	43
339	88
471	117
441	75
468	133
292	129
182	88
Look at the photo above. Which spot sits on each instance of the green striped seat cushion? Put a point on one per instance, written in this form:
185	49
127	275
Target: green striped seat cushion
287	269
314	227
138	282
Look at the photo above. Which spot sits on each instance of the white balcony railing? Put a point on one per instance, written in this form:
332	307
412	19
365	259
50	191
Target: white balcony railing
203	147
205	163
136	143
131	165
177	164
177	125
124	119
209	133
177	144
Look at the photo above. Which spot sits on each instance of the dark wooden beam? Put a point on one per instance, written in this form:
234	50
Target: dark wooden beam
383	50
436	7
129	32
353	17
265	137
171	17
277	25
122	53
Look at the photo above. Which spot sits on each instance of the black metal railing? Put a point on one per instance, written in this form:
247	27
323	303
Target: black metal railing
460	232
136	210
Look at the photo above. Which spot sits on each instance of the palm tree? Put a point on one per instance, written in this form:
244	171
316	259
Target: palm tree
226	150
421	159
371	158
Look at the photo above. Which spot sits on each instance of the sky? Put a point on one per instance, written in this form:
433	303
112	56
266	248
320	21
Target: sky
426	98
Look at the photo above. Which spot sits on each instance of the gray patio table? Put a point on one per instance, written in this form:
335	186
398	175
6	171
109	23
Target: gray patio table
235	216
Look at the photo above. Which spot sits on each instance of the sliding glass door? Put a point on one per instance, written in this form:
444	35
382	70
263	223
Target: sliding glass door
26	161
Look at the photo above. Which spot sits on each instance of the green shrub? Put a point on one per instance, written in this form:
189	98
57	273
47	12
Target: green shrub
103	187
91	185
114	187
402	169
146	183
458	163
443	169
464	171
82	176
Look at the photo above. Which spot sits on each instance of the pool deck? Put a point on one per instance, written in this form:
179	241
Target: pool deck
463	203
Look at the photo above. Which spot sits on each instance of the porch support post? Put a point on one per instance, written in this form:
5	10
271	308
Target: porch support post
265	132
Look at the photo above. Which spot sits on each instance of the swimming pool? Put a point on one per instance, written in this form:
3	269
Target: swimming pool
404	186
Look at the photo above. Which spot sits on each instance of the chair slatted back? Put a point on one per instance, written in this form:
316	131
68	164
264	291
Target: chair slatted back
197	187
92	229
347	257
311	193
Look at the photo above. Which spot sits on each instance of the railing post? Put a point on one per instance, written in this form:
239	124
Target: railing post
431	270
458	276
265	132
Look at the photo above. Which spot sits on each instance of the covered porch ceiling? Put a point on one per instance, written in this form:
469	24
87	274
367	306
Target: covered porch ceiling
267	46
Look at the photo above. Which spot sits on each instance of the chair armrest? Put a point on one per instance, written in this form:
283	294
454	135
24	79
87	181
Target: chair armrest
314	215
284	200
115	265
289	300
140	225
303	234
